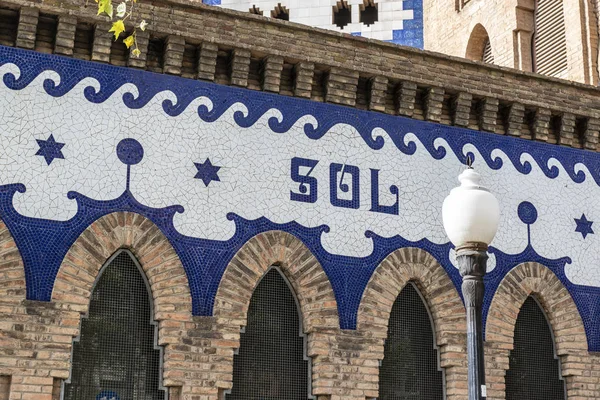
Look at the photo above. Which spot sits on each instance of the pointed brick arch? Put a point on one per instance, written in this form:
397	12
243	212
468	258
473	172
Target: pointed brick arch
533	279
311	286
164	271
442	299
308	279
12	269
172	302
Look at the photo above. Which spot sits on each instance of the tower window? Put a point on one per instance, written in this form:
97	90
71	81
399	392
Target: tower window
368	12
115	355
280	12
534	370
488	57
341	14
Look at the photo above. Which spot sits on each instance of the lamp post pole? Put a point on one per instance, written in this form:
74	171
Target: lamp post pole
472	262
471	215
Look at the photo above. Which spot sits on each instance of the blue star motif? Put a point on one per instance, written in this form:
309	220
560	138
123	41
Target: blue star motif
584	226
49	149
207	172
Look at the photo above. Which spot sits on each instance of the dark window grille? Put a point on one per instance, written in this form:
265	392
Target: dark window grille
271	363
116	354
534	370
410	368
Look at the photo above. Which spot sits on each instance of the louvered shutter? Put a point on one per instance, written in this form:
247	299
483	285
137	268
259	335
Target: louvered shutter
488	57
550	38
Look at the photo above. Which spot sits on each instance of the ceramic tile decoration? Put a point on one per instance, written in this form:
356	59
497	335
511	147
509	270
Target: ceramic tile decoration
212	166
398	21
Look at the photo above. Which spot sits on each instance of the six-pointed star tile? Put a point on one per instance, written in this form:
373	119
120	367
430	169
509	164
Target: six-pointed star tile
584	226
49	149
207	172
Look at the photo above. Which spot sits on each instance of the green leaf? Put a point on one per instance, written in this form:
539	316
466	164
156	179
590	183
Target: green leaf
117	28
106	7
128	41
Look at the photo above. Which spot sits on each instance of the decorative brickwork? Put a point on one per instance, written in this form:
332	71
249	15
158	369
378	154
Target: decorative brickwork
569	334
311	286
41	334
444	304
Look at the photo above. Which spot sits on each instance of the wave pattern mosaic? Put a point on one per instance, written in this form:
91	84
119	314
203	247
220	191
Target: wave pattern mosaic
212	166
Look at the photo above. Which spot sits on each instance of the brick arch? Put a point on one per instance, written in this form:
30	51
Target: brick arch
533	279
12	270
164	271
165	274
443	302
311	285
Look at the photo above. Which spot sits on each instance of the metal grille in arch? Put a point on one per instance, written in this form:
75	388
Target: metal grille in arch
271	363
410	368
116	357
534	370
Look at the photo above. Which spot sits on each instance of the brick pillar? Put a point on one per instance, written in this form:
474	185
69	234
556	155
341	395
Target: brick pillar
590	136
434	98
342	85
102	42
174	47
271	80
207	62
142	38
304	78
488	113
379	86
541	125
26	32
461	109
406	95
516	117
65	35
567	129
240	67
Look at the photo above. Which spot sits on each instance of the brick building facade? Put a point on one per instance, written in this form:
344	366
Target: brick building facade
220	154
511	29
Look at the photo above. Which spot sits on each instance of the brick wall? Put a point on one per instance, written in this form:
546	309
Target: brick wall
36	337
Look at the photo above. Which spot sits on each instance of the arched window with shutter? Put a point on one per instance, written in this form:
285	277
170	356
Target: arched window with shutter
479	47
534	369
410	367
550	40
116	355
271	362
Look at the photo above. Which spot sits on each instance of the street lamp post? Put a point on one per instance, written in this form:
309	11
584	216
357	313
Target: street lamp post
471	214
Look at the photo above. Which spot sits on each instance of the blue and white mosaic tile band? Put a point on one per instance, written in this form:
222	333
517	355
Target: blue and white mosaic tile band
213	166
